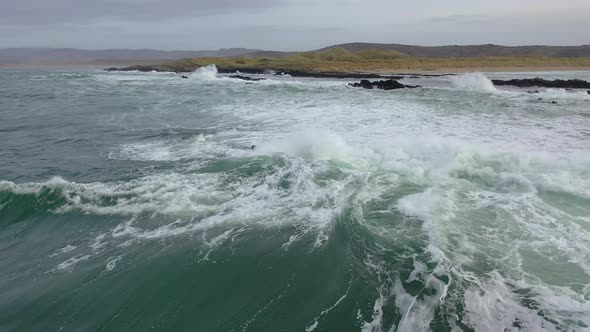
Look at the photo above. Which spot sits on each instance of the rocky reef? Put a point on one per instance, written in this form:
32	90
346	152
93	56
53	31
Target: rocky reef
383	84
140	68
539	82
246	78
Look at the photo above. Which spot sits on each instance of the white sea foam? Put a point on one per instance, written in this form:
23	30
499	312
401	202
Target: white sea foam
111	263
134	77
310	144
72	261
197	203
563	94
493	306
64	250
418	313
315	322
205	73
473	82
175	150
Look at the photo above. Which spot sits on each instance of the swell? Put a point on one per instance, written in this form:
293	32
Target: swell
18	204
438	232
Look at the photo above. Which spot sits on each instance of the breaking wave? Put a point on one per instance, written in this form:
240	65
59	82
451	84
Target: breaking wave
473	82
205	73
391	199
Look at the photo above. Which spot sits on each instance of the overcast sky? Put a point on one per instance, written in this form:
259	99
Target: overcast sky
289	25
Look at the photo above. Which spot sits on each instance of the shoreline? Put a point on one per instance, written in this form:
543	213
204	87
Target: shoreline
347	74
383	73
462	70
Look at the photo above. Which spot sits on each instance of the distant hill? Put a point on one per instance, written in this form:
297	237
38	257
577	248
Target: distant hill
451	51
70	55
471	51
344	52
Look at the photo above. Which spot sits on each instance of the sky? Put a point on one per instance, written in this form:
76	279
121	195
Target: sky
289	25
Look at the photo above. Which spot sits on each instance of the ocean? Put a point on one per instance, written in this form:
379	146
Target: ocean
134	201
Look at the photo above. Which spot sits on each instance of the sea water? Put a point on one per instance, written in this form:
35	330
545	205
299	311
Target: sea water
133	201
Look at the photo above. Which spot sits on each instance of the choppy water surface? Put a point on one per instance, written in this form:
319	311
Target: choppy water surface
132	201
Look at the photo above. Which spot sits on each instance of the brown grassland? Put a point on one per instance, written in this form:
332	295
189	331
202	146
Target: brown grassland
379	61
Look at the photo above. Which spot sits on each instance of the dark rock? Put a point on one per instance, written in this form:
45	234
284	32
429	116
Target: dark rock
365	84
184	76
302	73
588	92
517	323
138	68
384	85
245	78
554	102
530	82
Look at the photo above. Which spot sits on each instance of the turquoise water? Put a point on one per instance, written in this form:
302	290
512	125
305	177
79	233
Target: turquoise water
132	201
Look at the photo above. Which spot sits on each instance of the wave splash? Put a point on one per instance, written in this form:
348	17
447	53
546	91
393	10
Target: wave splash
310	144
206	73
473	82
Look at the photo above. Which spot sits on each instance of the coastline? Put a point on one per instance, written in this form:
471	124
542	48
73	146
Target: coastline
377	72
461	70
385	73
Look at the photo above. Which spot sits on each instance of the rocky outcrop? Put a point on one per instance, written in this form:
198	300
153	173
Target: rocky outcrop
256	71
237	71
383	84
140	68
246	78
539	82
303	73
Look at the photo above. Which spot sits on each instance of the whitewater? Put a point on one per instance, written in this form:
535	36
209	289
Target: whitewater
134	201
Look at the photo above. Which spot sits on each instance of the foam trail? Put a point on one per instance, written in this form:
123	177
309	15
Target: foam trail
563	94
473	82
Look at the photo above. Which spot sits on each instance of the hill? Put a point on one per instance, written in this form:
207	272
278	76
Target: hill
454	51
472	51
343	52
342	60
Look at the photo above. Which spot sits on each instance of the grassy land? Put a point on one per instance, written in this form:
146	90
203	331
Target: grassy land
378	61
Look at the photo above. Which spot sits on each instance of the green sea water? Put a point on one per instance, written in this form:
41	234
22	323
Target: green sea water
134	202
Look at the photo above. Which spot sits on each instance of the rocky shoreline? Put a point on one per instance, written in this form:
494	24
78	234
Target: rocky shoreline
140	68
279	72
383	85
542	83
387	82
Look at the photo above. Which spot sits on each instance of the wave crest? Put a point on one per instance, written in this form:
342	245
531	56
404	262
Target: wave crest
473	82
205	73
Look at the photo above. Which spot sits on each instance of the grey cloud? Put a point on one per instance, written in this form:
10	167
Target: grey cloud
462	19
35	12
287	24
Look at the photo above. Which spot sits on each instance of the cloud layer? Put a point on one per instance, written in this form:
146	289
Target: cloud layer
288	24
